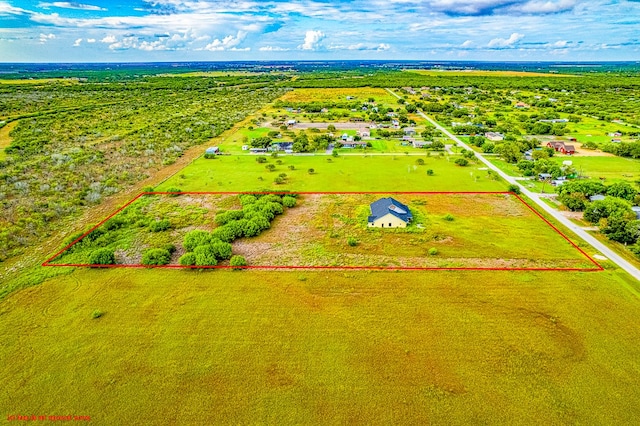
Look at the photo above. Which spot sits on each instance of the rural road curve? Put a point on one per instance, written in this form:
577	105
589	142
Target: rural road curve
604	250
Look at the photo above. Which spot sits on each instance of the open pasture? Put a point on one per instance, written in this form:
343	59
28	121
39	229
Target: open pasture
247	347
350	173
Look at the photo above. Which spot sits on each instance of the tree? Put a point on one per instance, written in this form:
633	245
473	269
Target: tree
311	171
437	145
608	208
429	172
156	256
411	108
462	162
420	162
514	188
270	167
331	128
509	152
622	190
103	256
261	142
620	229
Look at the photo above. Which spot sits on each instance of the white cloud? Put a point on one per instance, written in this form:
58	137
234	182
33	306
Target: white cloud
226	43
7	9
502	42
540	7
91	40
273	49
46	37
109	39
467	43
312	40
77	42
71	5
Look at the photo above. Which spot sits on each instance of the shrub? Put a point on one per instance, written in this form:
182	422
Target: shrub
292	167
278	180
311	171
159	225
188	259
288	201
462	162
238	261
225	217
514	188
97	314
193	239
449	217
170	248
429	172
270	167
209	156
251	229
246	199
220	249
156	256
224	233
206	255
113	224
352	242
103	256
433	251
261	159
174	190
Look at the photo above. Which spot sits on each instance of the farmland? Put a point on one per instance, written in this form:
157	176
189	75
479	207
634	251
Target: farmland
158	346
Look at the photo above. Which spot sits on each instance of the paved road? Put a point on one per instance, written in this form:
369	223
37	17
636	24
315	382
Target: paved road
603	249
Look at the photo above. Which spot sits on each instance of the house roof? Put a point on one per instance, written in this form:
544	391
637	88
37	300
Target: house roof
596	197
384	206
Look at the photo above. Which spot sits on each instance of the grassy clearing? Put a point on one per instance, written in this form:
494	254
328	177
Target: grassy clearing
324	348
334	95
484	231
5	139
350	173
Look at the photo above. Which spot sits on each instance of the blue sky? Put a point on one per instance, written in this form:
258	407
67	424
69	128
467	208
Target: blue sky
220	30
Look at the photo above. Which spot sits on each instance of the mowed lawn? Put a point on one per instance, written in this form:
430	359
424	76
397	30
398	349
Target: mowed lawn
344	173
264	347
610	168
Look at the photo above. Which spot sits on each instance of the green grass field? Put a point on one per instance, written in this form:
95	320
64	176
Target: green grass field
349	173
148	346
323	348
610	168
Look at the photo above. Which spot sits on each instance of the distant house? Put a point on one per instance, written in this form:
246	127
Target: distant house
257	150
291	123
389	213
213	150
324	110
636	210
245	147
409	131
344	137
282	146
598	197
356	119
544	176
521	105
353	144
560	146
494	136
364	133
420	144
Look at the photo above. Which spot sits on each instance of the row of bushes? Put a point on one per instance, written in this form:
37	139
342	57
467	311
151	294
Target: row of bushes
258	210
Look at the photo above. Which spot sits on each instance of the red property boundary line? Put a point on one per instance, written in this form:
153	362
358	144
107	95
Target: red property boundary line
597	268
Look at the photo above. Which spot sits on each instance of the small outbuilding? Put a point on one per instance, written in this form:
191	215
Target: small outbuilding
389	213
213	150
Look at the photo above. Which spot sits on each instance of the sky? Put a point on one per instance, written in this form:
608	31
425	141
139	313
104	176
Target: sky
220	30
